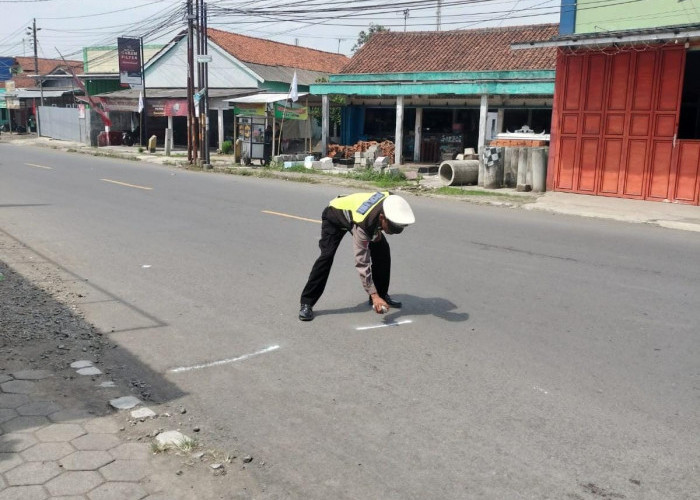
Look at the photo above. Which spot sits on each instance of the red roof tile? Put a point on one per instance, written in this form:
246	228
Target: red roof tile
46	66
485	49
269	53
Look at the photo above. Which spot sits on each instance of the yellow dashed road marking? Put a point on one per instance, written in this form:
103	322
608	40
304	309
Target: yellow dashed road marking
291	216
127	185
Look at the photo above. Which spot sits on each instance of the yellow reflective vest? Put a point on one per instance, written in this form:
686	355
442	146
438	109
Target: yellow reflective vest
358	206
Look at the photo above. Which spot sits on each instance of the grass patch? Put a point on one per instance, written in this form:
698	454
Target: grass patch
448	190
379	179
186	446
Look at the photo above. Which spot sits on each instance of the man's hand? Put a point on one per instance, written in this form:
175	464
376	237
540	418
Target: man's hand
379	304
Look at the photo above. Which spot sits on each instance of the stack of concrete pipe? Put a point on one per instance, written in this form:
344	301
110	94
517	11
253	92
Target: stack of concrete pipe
522	168
459	172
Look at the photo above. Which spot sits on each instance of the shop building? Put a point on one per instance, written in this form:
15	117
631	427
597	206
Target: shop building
239	66
626	119
436	93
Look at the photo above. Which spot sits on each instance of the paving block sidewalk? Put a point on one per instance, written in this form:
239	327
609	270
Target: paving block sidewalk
50	450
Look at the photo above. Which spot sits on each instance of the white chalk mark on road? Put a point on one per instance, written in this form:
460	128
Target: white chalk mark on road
383	325
38	166
225	361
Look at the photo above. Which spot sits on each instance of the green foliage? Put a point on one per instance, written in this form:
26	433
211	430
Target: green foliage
380	179
226	147
364	36
336	104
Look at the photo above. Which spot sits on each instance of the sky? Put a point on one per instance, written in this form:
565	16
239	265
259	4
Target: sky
66	26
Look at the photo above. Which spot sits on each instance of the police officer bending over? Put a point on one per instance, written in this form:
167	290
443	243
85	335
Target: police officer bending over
366	216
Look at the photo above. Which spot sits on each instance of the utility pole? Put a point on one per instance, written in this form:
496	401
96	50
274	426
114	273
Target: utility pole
406	13
202	104
143	126
439	14
205	80
191	136
34	29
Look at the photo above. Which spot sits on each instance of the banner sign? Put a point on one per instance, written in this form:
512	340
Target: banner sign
129	50
167	107
249	109
291	113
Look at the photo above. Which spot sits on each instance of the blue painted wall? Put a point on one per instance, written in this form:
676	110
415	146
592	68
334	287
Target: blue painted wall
352	124
567	17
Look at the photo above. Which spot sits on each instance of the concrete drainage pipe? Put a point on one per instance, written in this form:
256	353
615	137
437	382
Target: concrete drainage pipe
459	172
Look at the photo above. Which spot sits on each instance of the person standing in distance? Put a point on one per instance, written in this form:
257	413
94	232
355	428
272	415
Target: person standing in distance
367	216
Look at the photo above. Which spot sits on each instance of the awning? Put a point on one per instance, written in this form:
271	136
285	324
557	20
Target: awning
263	98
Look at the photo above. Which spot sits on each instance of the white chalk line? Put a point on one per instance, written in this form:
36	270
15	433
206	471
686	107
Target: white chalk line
384	325
224	361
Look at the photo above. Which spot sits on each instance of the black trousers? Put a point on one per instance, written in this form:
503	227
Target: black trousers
332	232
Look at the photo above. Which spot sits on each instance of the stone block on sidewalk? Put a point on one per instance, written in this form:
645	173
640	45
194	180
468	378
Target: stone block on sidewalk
143	413
89	370
43	408
25	424
13	443
125	470
18	387
32	473
125	402
13	400
74	483
59	432
83	363
96	442
7	414
47	451
34	492
86	460
32	374
118	491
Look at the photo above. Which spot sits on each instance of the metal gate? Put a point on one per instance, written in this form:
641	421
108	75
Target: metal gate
615	118
62	123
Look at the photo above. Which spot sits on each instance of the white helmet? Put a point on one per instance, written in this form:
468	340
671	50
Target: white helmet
398	211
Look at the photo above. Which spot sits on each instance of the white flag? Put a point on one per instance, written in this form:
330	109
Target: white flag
141	102
293	91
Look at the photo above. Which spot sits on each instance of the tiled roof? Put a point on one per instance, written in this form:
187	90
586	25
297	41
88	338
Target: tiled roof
46	66
269	53
485	49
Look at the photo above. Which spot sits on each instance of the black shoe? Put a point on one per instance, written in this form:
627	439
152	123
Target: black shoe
306	313
392	303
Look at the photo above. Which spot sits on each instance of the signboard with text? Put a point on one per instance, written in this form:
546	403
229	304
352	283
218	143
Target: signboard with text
291	113
129	50
249	109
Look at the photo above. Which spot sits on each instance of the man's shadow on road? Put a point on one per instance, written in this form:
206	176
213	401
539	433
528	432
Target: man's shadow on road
412	306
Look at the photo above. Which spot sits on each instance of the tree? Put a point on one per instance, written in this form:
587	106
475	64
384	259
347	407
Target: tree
336	101
364	36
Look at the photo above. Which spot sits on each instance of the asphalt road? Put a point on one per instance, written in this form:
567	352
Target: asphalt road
536	356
